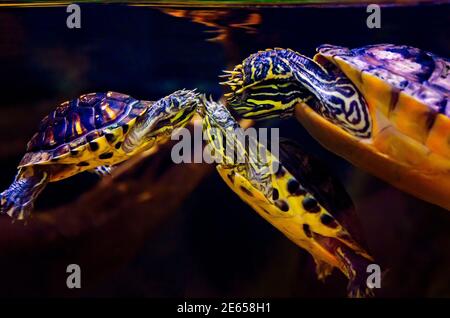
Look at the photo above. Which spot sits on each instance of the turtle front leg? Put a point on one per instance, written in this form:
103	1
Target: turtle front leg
355	268
17	201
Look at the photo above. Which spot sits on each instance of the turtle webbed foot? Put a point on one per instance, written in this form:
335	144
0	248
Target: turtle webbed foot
13	206
357	287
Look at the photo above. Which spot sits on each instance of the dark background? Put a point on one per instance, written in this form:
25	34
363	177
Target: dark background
214	245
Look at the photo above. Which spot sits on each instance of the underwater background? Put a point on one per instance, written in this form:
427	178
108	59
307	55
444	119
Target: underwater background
189	235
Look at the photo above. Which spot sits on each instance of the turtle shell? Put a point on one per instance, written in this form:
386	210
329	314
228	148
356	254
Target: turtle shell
79	121
410	86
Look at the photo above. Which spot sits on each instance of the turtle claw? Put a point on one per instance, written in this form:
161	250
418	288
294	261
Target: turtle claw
16	210
359	289
17	201
323	270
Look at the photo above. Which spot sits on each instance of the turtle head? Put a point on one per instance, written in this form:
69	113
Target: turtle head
162	117
264	85
216	115
272	82
168	113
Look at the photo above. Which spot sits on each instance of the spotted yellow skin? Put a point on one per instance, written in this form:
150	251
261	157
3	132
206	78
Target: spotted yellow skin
90	157
291	222
107	149
263	183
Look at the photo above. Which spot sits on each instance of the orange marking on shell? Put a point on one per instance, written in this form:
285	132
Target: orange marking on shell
78	127
49	136
107	111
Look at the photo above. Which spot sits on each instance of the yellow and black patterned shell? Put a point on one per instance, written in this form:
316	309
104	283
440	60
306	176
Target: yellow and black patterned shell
80	121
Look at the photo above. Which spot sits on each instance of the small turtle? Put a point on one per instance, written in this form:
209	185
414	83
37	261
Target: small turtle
284	196
92	132
384	107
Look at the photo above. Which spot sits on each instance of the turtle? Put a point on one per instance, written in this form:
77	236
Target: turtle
92	132
283	196
383	107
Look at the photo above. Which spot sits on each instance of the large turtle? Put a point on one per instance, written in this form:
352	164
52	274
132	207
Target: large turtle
308	209
383	107
92	132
